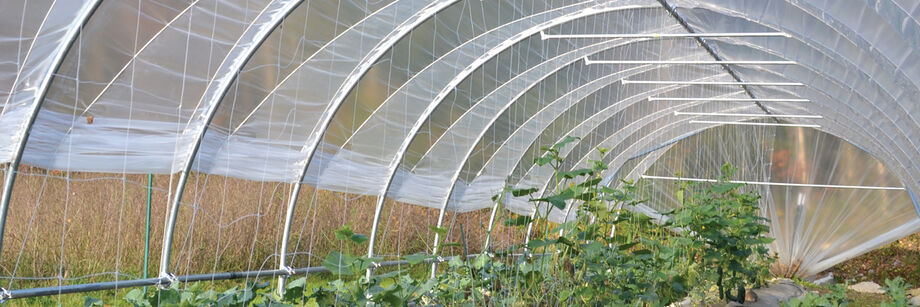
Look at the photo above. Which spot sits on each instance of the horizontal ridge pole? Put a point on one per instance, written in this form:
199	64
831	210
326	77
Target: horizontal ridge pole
752	124
728	99
785	184
748	115
664	82
544	36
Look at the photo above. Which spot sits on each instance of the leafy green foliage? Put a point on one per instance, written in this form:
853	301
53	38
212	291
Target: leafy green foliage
610	254
523	192
253	294
836	298
346	234
896	289
728	233
439	230
521	220
91	301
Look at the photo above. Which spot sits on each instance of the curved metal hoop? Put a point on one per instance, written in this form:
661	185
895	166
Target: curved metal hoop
66	44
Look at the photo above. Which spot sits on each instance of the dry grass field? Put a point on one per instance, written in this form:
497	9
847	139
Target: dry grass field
67	228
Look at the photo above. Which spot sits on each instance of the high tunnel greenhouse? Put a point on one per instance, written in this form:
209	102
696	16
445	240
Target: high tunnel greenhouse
246	131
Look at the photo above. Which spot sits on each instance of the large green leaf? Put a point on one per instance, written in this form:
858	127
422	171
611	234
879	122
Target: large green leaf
345	233
358	238
390	298
565	141
541	161
416	258
340	264
626	246
520	220
522	192
537	243
565	241
168	297
137	298
558	200
725	187
590	182
91	301
294	290
575	173
642	254
439	230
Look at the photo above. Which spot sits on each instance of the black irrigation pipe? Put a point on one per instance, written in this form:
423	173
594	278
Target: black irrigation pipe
166	281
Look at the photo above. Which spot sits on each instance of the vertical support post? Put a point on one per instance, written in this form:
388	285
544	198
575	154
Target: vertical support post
437	240
286	235
8	182
373	236
170	227
147	227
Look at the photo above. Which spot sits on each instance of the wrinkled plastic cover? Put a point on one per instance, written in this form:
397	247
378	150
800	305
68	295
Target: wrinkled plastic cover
814	227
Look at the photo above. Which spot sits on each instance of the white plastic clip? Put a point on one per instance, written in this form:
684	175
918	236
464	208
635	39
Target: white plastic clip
167	280
441	259
289	271
5	295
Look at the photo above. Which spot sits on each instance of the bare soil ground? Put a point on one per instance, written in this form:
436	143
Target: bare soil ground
899	258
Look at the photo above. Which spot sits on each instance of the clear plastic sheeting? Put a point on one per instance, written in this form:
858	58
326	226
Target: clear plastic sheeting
275	113
442	103
869	72
378	142
524	107
815	227
140	107
34	35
